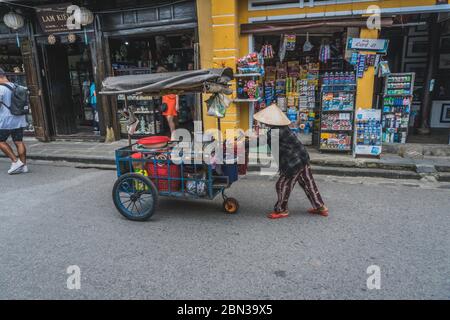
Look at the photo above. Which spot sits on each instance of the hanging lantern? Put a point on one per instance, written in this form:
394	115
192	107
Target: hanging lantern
84	16
14	21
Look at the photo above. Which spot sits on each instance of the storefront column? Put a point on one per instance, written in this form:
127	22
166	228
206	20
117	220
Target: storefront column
365	88
219	43
433	54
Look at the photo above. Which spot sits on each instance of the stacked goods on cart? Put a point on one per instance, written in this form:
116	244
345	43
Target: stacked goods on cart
397	107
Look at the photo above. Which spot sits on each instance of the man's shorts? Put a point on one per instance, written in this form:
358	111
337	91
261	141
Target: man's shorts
16	134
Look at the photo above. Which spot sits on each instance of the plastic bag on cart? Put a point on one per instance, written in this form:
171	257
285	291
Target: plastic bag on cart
217	105
198	185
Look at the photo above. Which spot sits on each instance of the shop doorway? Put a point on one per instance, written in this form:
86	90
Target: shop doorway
70	90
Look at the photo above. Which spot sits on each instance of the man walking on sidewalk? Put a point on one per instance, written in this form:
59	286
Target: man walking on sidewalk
11	125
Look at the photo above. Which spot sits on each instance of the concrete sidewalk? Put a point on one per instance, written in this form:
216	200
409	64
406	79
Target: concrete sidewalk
411	165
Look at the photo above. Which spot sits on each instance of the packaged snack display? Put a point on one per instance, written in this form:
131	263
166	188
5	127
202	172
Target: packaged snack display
338	103
396	108
368	132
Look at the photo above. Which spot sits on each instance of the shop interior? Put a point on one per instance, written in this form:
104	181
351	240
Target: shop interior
151	54
71	99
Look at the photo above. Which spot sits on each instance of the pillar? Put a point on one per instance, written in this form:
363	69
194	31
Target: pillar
365	88
219	46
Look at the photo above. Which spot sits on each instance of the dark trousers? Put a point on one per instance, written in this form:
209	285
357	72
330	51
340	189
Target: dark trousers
305	179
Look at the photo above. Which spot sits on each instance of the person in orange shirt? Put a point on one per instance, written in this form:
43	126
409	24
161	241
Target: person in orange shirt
171	111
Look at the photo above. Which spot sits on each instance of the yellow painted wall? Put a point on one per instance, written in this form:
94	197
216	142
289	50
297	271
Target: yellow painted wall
221	42
365	87
219	45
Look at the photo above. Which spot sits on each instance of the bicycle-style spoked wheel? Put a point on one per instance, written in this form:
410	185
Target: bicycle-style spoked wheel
135	196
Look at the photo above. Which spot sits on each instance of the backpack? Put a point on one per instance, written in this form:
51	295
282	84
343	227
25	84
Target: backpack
19	100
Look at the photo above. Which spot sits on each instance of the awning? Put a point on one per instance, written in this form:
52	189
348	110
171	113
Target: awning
209	80
267	27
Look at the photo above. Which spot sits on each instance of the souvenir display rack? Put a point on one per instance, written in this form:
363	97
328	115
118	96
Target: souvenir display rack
398	96
150	120
368	132
337	112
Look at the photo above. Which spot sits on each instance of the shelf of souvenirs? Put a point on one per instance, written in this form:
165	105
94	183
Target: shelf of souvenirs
121	97
247	75
237	100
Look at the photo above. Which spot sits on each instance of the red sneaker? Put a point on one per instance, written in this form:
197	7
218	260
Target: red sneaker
321	211
278	215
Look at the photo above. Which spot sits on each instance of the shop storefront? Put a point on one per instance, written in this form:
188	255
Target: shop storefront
409	52
136	45
12	60
65	63
305	51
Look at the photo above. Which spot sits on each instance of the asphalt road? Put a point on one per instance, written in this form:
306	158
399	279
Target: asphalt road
57	216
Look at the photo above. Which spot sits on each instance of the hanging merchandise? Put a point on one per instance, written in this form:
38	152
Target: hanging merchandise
325	53
361	65
267	51
217	105
307	46
291	40
269	92
282	52
384	70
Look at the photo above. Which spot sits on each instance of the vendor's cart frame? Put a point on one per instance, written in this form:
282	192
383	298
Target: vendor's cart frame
141	189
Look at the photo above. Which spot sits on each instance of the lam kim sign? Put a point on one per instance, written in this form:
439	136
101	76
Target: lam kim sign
56	18
377	45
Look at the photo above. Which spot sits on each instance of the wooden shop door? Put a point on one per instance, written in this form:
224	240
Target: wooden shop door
59	89
40	123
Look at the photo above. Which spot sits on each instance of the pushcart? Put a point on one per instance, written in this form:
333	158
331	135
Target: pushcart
146	174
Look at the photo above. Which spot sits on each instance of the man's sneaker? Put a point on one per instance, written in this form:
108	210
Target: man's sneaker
25	169
16	167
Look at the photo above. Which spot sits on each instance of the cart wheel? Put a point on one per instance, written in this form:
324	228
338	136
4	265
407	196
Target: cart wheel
230	205
135	196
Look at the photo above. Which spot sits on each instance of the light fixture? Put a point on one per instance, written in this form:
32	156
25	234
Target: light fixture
14	21
84	16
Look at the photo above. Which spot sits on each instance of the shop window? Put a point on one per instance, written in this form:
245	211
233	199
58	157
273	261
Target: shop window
147	15
129	17
165	13
184	10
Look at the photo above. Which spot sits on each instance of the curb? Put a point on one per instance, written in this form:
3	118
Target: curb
341	168
351	172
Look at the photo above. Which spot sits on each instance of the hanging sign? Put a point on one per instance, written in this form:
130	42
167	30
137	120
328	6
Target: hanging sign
377	45
54	18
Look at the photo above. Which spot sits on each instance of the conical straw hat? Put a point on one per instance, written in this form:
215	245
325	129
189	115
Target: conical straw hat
272	115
